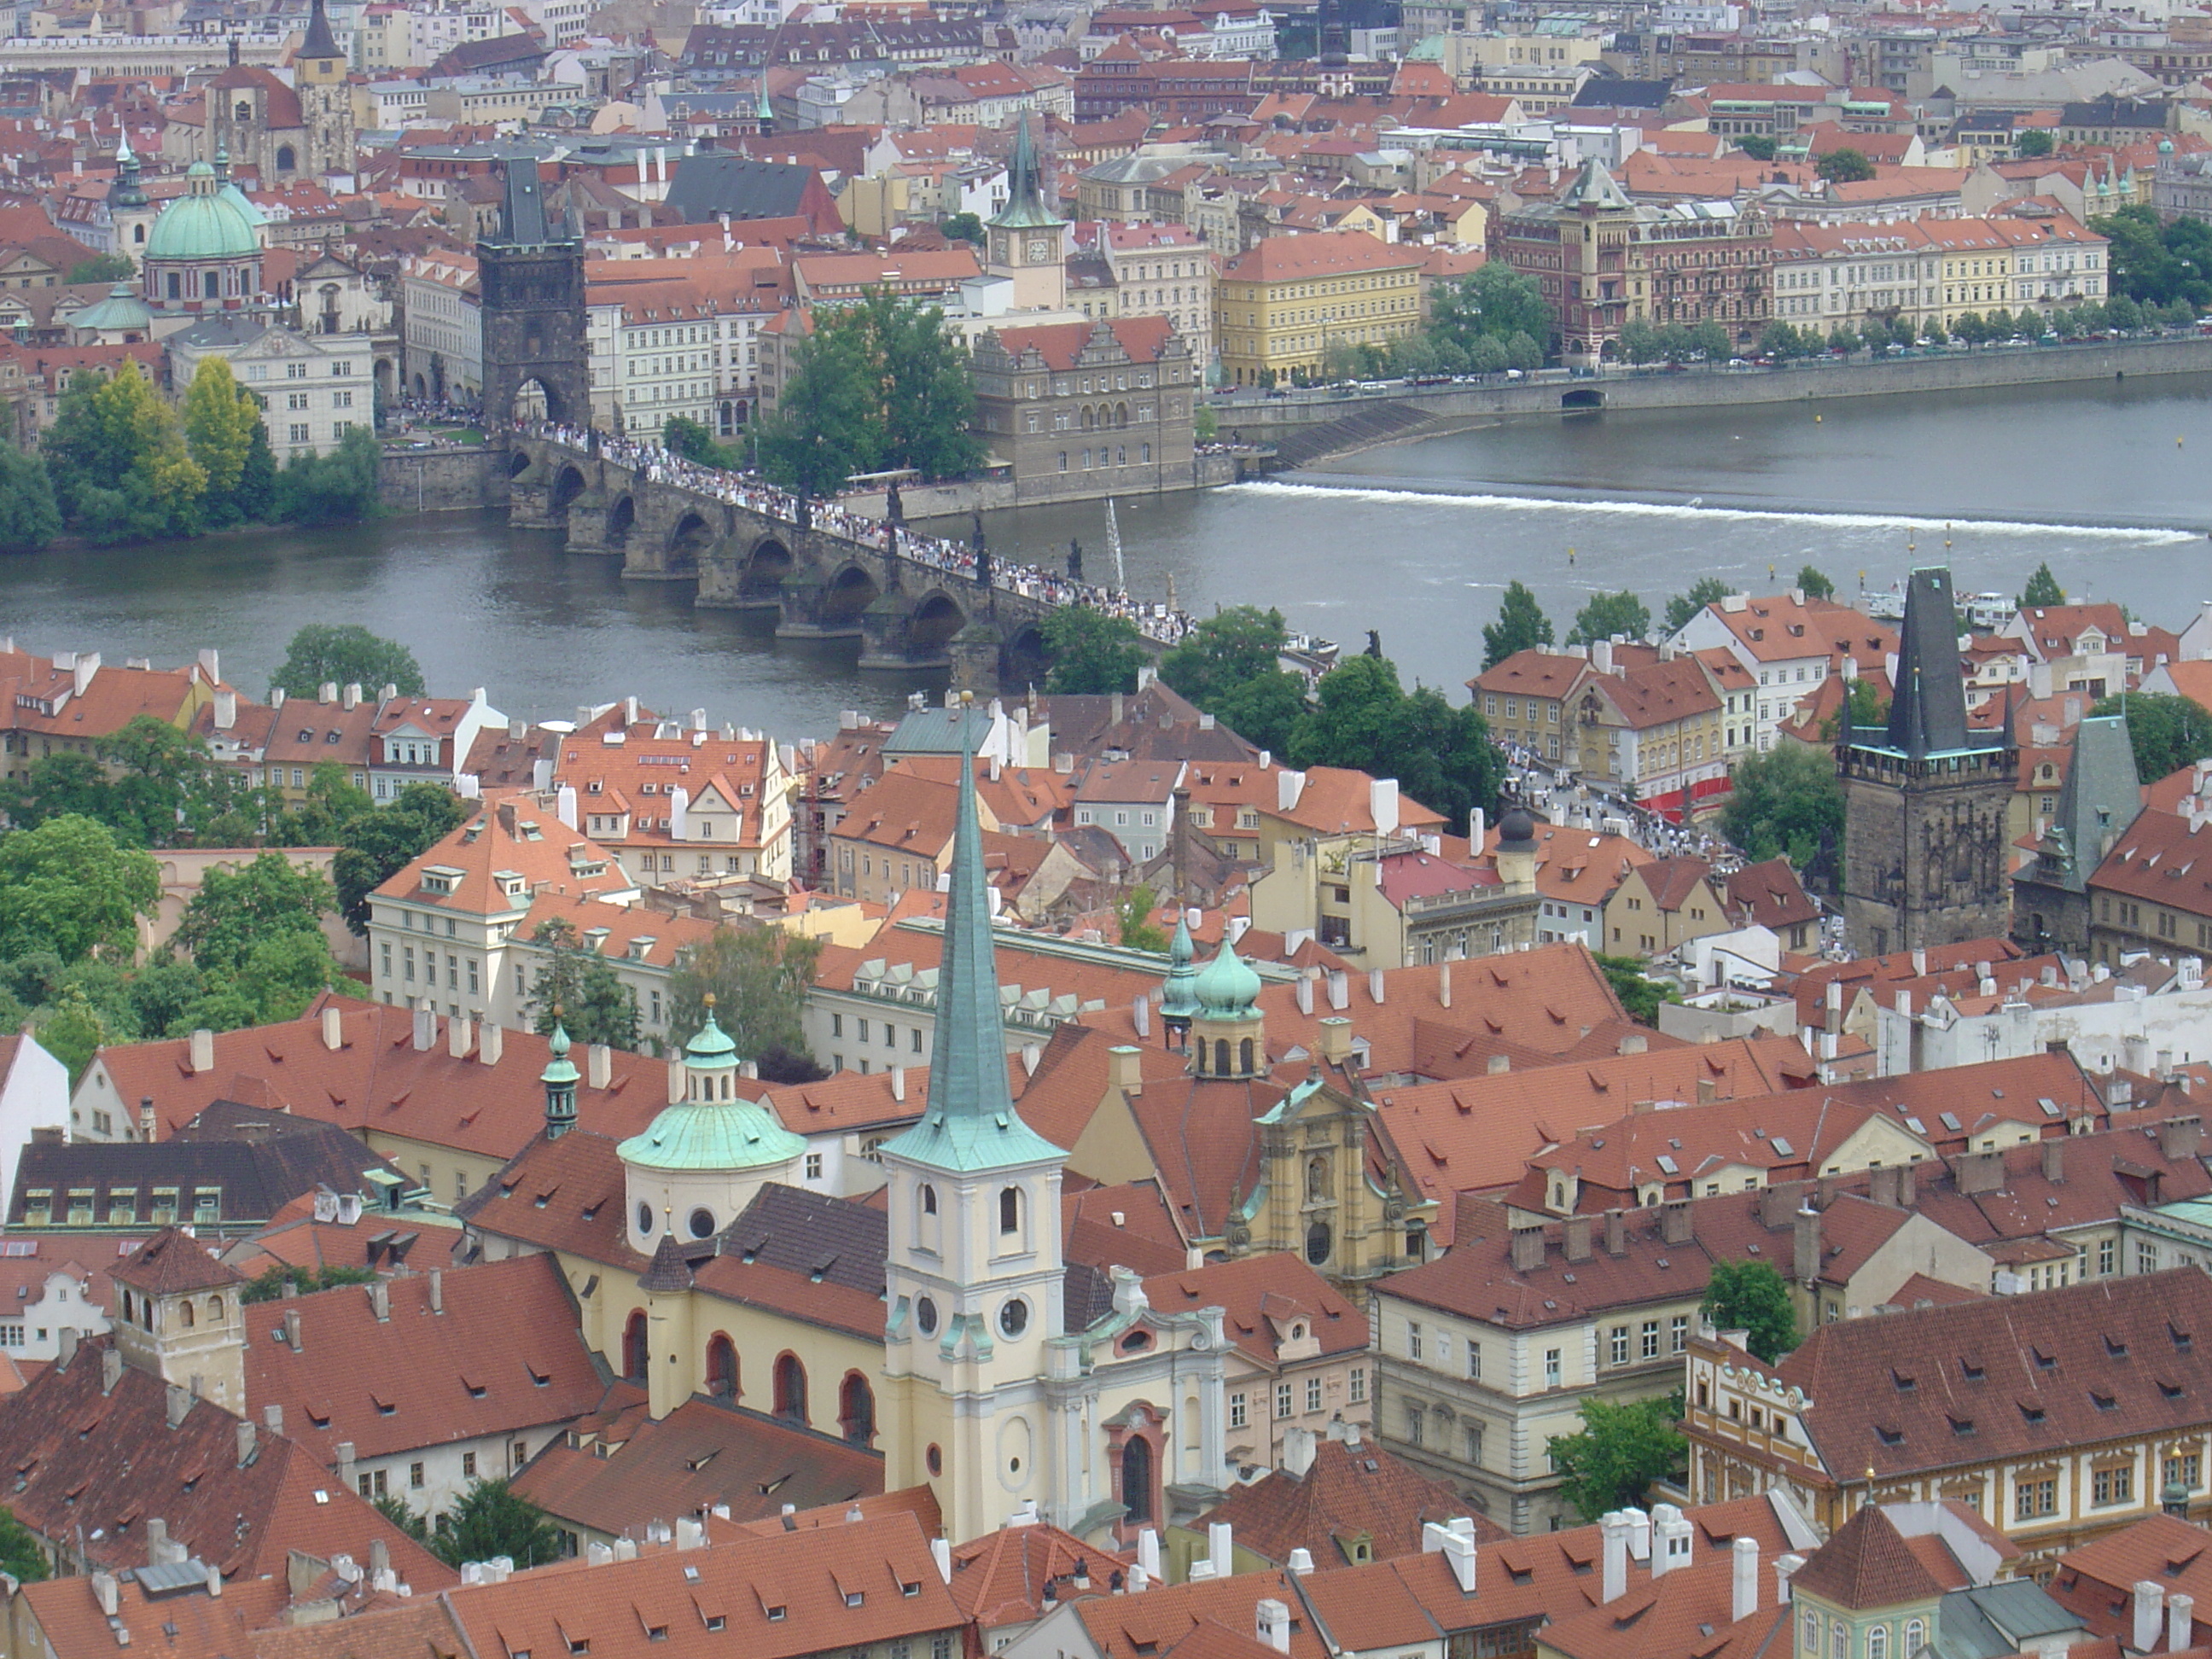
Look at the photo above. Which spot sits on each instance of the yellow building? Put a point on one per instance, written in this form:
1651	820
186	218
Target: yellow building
1283	303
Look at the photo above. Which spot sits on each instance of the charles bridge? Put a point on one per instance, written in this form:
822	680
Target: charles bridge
832	578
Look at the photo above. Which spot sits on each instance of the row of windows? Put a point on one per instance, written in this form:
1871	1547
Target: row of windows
891	1032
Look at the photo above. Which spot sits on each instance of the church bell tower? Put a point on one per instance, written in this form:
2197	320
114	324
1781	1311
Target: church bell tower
319	76
1025	240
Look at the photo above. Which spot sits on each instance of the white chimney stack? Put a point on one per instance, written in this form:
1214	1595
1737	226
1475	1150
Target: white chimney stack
2180	1621
2149	1604
1273	1620
333	1028
1612	1534
1743	1599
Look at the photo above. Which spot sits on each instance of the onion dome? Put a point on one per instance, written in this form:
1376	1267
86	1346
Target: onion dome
1227	987
717	1136
559	1068
1516	829
1180	999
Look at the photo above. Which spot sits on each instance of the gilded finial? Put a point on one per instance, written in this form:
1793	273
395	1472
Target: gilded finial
710	999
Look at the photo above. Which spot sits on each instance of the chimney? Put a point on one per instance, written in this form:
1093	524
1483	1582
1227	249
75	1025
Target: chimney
1339	989
457	1036
1527	1249
1498	1064
2150	1603
1677	1225
178	1403
333	1028
1576	1241
1785	1569
1612	1529
1833	1007
1635	1043
2054	1161
1616	1233
157	1540
1978	1172
327	692
345	1462
598	1065
1908	1186
292	1329
1455	1541
1275	1622
150	1126
1375	986
2180	1622
491	1042
1335	1039
2178	1138
691	1533
426	1029
1444	984
1219	1548
1126	1068
1301	1561
1304	993
248	1441
380	1298
438	1291
380	1557
1140	1015
105	1591
1297	1450
1920	964
940	1551
1806	1260
1743	1586
110	1364
273	1419
1670	1539
226	708
898	1084
203	1052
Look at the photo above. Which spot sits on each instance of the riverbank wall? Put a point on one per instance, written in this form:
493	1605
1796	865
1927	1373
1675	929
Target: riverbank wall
464	478
1405	414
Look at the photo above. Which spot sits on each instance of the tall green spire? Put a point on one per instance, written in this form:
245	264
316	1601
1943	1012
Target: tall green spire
969	1122
1025	208
1179	999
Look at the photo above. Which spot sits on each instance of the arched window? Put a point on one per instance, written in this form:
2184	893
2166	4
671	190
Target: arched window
1808	1644
1916	1637
1010	1212
137	233
1244	1054
1221	1056
928	1199
186	1314
1137	1479
721	1367
856	1409
636	1357
790	1388
1840	1640
285	161
215	1309
1878	1642
1318	1240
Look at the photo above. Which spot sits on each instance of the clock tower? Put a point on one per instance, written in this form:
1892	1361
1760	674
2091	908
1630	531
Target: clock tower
1028	241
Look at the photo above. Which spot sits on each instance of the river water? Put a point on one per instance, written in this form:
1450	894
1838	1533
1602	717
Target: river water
2112	486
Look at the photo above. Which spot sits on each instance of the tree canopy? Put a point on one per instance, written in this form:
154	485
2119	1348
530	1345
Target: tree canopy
1752	1297
1442	755
1620	1449
2167	733
1844	166
1495	302
1522	625
1814	583
116	453
2153	263
1787	803
346	653
1706	590
758	977
1640	996
70	887
2032	142
1606	615
29	518
1230	666
491	1520
2042	589
1092	653
592	1003
1135	914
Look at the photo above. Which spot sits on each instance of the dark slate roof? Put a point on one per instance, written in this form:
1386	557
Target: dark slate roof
1086	1297
830	1240
171	1261
708	186
1614	94
320	42
504	51
1928	714
2113	113
260	1161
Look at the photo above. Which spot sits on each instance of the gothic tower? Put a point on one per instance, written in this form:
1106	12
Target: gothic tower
1925	799
130	214
1026	240
318	74
532	274
973	1276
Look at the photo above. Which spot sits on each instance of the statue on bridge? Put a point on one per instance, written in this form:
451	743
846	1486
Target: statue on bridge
805	511
894	508
1074	561
982	551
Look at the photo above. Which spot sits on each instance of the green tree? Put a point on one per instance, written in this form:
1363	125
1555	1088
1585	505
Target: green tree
236	912
827	422
1091	653
963	228
758	977
393	1508
376	844
1707	590
340	488
2123	314
2042	589
1205	424
1814	583
102	268
1229	665
1522	625
1640	996
2032	142
1787	803
928	393
72	1031
1757	146
255	497
1710	340
1844	340
269	1286
1134	913
1935	333
28	516
1844	166
1441	756
681	435
1867	710
70	887
20	1556
594	1004
2001	325
60	786
1620	1449
281	976
1640	342
1495	302
490	1520
328	653
116	454
1751	1297
1609	614
2167	733
221	417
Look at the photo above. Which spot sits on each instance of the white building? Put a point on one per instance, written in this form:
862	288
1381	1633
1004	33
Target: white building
444	344
1789	645
654	355
313	389
33	1094
2151	1018
1163	270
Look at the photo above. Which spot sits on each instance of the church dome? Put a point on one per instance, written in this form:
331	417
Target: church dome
202	224
121	309
718	1136
1516	829
712	1049
1227	986
1179	999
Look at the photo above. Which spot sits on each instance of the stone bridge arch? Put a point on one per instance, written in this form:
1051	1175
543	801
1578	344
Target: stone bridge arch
568	484
847	596
688	539
622	518
767	567
1023	660
935	621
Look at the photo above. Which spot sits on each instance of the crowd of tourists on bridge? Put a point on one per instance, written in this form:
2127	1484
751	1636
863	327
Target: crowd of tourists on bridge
663	465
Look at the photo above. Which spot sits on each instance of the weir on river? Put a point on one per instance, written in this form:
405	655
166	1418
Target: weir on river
914	601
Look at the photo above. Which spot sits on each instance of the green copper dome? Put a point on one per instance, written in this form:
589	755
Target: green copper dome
712	1049
1227	987
560	1068
202	224
121	308
1179	1000
712	1136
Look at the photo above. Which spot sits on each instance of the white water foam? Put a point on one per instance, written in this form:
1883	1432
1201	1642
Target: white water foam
2144	534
